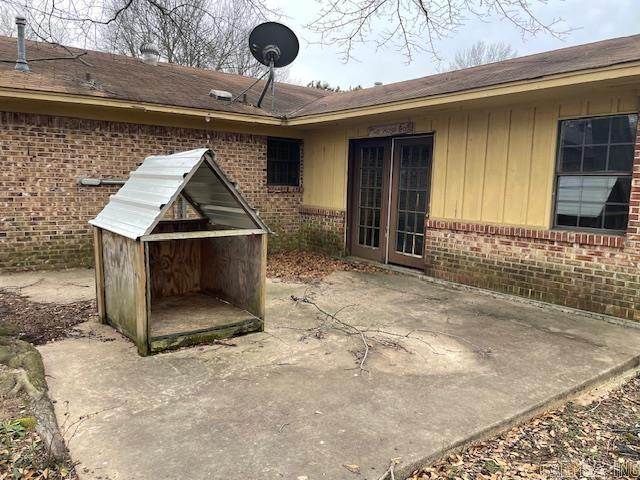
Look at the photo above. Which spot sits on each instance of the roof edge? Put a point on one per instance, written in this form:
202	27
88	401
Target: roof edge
89	100
564	79
629	69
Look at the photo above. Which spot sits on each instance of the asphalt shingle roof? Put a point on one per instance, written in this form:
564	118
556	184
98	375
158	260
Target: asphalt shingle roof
121	77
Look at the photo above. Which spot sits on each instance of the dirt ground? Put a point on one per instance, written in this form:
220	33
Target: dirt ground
310	267
600	440
38	322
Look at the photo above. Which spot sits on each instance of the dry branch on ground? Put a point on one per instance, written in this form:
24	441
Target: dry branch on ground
373	337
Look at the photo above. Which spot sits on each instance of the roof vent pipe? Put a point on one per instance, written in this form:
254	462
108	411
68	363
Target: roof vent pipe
150	53
21	62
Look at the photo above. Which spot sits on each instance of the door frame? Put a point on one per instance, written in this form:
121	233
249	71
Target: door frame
352	190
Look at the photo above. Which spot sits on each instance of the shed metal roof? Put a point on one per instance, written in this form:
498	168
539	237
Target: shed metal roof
140	204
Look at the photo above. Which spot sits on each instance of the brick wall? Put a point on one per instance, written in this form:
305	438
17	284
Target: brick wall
44	211
323	230
599	273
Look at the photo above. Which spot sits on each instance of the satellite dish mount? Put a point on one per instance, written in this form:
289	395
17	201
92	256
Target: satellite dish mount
275	46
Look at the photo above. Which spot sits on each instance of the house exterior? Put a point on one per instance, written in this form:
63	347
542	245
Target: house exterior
521	176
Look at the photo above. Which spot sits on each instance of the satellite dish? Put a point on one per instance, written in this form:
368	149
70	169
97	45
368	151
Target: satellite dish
273	44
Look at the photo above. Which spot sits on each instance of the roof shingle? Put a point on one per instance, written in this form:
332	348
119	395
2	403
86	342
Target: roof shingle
127	78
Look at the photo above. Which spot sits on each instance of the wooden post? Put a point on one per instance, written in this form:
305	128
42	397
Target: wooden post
99	269
263	277
140	268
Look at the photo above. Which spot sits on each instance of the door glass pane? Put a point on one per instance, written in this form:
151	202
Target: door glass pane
371	181
412	199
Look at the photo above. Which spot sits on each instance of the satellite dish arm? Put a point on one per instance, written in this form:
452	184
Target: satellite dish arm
250	87
266	87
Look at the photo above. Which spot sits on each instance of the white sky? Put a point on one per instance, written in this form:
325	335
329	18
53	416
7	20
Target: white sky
592	20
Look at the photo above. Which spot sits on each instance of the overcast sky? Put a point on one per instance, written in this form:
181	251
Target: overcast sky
592	20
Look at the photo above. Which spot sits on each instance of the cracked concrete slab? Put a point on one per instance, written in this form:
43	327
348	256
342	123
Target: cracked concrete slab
285	404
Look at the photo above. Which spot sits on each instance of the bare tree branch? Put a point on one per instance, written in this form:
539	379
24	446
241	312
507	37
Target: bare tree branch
197	33
413	26
481	53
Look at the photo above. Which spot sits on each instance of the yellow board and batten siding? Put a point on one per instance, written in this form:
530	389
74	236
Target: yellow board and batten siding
490	165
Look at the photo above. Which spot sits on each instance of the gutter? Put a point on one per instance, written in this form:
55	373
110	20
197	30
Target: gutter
89	100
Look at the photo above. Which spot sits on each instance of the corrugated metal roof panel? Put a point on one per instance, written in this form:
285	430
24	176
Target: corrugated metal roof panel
139	205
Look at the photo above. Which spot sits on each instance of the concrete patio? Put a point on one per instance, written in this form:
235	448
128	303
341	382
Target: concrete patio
287	404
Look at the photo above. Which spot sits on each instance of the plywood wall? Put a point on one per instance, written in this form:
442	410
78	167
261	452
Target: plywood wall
491	165
234	269
119	265
174	267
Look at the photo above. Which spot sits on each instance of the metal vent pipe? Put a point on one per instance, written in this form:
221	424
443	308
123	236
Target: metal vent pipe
21	62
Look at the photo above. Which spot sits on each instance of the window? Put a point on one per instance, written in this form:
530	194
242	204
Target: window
595	161
283	162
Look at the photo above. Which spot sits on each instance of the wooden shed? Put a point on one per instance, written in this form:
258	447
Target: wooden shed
171	283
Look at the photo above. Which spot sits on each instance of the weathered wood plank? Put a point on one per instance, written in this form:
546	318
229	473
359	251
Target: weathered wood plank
194	338
263	280
99	271
142	331
118	255
155	237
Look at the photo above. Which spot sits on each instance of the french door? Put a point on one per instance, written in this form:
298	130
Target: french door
389	199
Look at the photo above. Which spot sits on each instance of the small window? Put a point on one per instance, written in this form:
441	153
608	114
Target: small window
283	162
593	178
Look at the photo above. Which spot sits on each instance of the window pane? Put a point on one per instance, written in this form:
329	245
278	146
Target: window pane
595	159
570	159
569	189
621	158
420	222
567	214
616	217
621	190
624	129
591	215
596	190
572	132
597	130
